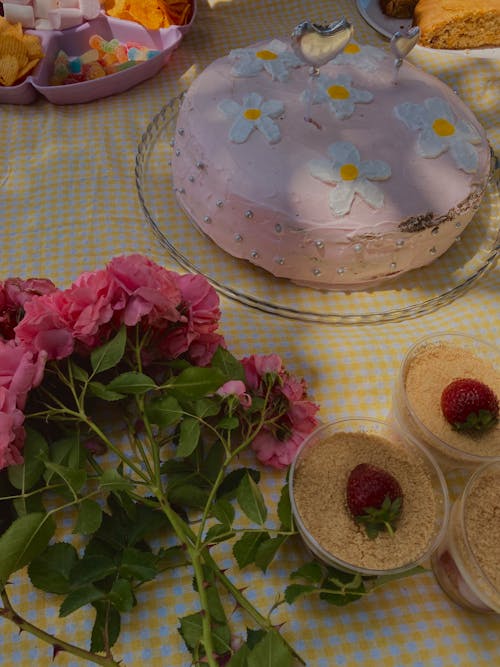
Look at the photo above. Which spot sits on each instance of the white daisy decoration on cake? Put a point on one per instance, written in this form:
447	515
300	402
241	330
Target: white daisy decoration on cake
338	93
440	130
362	56
275	58
350	176
254	114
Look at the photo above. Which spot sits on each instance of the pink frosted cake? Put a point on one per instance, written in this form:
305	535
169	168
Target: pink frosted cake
339	181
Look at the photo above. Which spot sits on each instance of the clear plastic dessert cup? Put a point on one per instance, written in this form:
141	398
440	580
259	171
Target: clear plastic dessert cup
466	564
317	486
433	362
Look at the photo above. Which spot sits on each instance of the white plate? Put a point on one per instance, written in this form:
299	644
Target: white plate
374	16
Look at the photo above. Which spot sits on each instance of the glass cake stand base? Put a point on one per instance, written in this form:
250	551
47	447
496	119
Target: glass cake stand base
411	295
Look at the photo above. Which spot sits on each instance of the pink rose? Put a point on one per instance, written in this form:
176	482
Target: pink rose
201	302
256	366
151	290
14	293
20	370
203	348
44	328
12	434
275	453
236	388
89	306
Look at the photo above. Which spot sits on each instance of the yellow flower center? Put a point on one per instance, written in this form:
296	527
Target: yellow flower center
352	48
443	127
338	92
266	55
349	172
252	114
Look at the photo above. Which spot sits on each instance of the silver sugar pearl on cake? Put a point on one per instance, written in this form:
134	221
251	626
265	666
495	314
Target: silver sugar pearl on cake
238	238
181	191
393	265
207	219
435	231
319	244
357	247
191	179
169	163
177	152
316	271
458	239
249	214
254	254
458	225
341	270
433	250
279	260
278	228
199	165
219	203
400	243
172	142
181	131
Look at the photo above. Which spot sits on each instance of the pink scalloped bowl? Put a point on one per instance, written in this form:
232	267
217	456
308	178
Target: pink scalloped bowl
75	41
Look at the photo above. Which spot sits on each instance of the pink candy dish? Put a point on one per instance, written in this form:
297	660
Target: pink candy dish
75	41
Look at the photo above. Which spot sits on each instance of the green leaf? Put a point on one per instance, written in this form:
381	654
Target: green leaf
245	549
267	551
99	390
285	509
68	452
121	595
232	481
214	461
229	423
188	495
164	411
310	572
294	591
51	569
219	532
228	364
195	382
106	628
191	629
251	500
74	479
111	480
91	569
79	598
240	658
35	451
206	407
89	517
23	540
271	652
131	382
78	372
223	511
189	436
254	637
140	565
110	354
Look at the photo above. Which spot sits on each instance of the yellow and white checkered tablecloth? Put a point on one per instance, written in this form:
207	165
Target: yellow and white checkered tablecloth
69	203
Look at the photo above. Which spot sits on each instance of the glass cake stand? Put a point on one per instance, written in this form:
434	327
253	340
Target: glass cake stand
410	295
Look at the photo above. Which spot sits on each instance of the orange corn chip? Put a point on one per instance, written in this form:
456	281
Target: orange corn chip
152	14
19	53
9	67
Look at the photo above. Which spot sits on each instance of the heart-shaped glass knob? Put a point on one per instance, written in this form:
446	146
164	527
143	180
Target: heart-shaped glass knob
318	44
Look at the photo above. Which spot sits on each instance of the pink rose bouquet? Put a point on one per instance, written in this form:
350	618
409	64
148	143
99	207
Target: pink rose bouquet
134	349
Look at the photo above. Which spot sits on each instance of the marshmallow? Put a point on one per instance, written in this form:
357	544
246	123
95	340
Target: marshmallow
62	18
22	14
90	8
42	8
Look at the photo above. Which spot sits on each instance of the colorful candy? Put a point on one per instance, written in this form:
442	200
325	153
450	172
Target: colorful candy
103	58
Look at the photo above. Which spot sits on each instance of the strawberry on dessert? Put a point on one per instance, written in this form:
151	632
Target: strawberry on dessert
374	498
365	500
469	404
